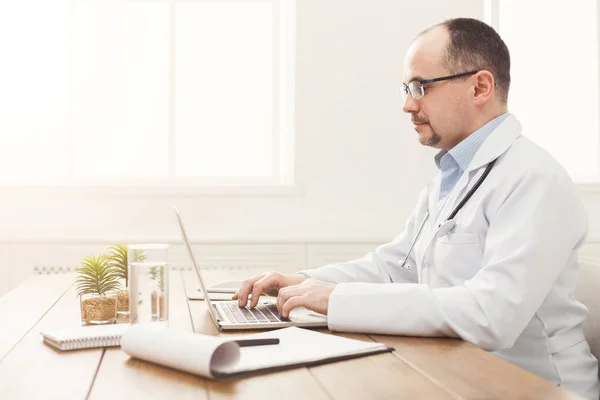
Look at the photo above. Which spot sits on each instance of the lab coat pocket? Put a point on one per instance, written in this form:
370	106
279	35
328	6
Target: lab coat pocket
458	257
459	238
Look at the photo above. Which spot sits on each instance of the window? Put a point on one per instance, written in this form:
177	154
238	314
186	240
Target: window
554	89
189	91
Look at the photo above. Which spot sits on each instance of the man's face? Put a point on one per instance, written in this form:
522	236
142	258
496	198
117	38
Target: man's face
441	117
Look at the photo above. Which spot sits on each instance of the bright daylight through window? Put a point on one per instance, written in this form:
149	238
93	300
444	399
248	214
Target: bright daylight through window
161	91
554	90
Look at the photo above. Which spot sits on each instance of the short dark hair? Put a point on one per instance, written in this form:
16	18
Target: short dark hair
474	45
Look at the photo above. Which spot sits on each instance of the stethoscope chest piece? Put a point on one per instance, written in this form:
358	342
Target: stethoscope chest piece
445	228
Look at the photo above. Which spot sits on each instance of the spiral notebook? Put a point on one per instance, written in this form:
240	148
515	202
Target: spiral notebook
83	337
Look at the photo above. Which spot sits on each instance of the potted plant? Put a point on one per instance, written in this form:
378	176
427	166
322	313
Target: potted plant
97	285
118	261
157	274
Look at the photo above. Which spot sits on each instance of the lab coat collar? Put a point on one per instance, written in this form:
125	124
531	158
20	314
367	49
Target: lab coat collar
494	146
497	143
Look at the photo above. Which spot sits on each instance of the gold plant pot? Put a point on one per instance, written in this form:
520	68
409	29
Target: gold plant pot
98	309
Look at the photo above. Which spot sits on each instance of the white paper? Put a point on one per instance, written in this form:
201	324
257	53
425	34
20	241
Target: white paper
225	287
197	295
218	357
190	352
297	346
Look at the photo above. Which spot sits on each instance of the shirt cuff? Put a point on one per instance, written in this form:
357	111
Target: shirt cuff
304	273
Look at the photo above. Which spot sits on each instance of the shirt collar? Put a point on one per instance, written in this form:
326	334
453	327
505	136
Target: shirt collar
464	151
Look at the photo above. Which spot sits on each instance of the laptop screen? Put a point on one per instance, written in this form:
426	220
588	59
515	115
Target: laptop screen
189	248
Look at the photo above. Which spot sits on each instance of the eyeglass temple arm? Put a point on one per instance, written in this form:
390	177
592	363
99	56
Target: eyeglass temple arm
447	77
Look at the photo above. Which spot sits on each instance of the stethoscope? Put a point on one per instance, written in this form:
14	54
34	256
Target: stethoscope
448	225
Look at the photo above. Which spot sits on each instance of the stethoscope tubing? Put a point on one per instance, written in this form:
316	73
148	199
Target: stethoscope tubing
451	216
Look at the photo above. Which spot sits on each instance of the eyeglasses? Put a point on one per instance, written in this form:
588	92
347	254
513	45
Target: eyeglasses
415	88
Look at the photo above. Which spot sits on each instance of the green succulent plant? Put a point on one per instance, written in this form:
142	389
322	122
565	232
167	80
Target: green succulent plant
118	260
96	276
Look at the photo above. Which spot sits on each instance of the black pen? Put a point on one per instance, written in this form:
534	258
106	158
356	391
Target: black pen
256	342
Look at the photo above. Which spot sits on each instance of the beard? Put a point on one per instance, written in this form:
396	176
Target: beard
434	139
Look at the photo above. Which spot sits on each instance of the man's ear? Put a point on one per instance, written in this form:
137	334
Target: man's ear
484	86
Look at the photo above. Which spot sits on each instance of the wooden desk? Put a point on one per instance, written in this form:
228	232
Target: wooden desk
418	369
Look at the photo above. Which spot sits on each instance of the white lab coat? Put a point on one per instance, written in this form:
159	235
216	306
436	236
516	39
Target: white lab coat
503	278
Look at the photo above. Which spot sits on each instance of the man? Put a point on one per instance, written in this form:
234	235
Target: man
489	254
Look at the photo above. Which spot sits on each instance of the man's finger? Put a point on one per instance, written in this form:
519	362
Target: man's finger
245	290
293	302
258	289
286	293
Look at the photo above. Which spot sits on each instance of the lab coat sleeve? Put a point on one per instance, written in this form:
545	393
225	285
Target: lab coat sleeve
537	225
381	265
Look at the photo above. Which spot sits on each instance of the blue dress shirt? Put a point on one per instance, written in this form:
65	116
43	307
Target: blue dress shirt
454	162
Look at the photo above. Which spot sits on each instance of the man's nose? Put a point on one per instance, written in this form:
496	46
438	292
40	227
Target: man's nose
410	105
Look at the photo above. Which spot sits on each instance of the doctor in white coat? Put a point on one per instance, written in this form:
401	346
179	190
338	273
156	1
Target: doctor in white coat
489	253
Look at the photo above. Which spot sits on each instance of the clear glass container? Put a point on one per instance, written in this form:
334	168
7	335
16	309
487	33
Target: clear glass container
148	271
123	301
98	309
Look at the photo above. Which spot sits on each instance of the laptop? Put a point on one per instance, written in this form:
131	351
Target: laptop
227	315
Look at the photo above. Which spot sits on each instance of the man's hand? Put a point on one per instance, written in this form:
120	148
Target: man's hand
269	283
311	294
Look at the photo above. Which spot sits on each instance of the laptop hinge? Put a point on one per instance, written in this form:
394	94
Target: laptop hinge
218	314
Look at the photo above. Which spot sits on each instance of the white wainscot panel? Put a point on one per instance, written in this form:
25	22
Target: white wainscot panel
231	256
319	254
26	260
20	261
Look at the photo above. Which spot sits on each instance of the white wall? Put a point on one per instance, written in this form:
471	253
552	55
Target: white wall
360	165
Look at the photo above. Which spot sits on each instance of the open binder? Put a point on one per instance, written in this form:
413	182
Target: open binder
221	357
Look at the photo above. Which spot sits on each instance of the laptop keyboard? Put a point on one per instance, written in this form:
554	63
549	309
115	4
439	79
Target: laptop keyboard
244	315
